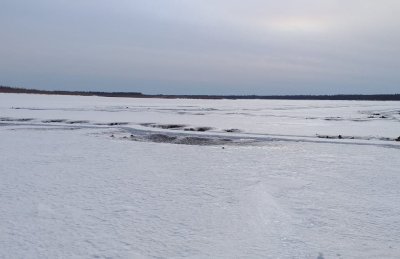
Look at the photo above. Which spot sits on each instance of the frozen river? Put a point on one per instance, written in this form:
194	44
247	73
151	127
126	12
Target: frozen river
95	177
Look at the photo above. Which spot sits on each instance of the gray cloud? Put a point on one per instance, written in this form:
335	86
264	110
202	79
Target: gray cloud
202	46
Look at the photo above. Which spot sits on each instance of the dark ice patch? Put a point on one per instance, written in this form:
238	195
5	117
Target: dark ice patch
54	121
194	141
232	130
335	136
199	129
163	126
161	138
333	118
112	123
15	119
78	122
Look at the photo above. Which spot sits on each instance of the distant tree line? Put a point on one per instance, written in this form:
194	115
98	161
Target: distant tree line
7	89
361	97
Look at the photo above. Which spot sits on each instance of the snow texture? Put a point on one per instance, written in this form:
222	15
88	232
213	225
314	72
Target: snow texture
94	177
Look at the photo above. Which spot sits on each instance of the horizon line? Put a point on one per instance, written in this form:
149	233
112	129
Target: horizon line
378	97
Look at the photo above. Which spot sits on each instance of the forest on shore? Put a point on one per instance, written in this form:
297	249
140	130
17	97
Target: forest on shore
361	97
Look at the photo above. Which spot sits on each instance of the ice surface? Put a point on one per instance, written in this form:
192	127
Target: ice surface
268	117
87	177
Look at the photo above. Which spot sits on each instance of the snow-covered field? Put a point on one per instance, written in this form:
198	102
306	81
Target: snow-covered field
95	177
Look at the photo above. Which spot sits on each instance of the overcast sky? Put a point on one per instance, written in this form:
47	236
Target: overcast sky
202	46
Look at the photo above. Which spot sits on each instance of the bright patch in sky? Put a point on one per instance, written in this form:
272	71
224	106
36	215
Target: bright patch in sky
293	24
